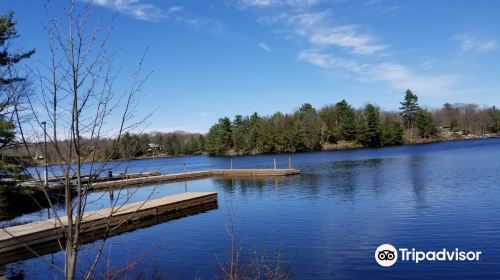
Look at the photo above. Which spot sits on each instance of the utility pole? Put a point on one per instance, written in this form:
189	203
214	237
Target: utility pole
45	154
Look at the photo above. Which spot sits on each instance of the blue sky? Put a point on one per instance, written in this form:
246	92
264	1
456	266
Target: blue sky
216	58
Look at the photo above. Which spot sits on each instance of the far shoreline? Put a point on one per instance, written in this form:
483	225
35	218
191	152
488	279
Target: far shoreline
351	148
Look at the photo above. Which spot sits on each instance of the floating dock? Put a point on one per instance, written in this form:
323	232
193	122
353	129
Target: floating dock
195	175
23	241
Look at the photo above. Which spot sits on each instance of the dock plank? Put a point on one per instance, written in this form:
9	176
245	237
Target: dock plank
19	236
196	175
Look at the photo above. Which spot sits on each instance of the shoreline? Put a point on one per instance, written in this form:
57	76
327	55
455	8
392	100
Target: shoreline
349	146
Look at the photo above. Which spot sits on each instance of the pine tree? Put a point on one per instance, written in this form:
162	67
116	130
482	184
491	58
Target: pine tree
391	131
371	134
346	118
425	124
219	138
409	108
8	78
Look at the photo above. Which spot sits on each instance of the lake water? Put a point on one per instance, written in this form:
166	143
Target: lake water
325	223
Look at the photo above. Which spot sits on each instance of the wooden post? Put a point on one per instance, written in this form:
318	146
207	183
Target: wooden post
289	162
185	180
274	159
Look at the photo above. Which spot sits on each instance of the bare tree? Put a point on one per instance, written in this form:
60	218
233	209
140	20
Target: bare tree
78	100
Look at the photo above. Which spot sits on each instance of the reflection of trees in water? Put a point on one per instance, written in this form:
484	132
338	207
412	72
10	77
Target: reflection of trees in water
346	177
331	178
229	185
14	272
244	184
416	168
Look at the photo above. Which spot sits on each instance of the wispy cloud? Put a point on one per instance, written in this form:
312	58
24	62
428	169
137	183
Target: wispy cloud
322	60
472	43
351	50
137	9
346	37
395	74
144	10
265	47
270	3
318	29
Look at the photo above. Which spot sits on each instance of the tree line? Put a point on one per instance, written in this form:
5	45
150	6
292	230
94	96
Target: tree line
341	125
334	126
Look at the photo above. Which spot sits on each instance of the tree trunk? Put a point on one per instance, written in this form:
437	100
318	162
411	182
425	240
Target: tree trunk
71	255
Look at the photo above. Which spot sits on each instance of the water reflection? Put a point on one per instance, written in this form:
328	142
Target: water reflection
329	219
417	169
89	237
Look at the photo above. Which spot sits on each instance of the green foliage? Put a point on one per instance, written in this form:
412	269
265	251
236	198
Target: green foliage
494	119
425	124
16	200
278	133
219	140
239	132
8	78
7	59
309	126
329	129
346	118
409	108
370	134
391	132
7	132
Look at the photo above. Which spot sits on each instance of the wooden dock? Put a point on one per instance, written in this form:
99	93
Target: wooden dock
195	175
43	236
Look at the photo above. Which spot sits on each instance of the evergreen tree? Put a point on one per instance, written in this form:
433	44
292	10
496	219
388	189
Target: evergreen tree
310	126
253	134
219	137
239	132
494	119
409	108
346	118
371	134
8	78
425	124
391	131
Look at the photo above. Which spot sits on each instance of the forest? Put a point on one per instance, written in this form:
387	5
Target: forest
334	126
341	126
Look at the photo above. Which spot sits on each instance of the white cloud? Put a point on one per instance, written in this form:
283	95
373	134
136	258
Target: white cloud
396	75
350	49
269	3
265	47
319	59
346	37
471	43
401	77
135	8
142	10
321	32
174	9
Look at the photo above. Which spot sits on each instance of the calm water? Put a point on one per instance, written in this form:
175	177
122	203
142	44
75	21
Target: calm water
326	222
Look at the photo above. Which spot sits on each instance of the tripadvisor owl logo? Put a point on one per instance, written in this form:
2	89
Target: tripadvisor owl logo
386	255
